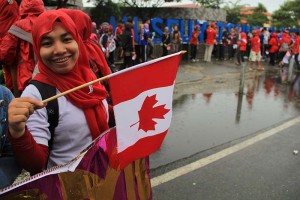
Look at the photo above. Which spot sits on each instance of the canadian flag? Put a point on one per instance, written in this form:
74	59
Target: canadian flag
142	102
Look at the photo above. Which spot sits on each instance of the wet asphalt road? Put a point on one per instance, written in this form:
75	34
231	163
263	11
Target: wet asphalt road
266	169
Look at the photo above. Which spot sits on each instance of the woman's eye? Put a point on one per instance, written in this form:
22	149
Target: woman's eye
46	43
68	39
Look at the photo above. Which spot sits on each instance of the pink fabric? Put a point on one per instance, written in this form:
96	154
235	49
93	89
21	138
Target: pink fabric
96	168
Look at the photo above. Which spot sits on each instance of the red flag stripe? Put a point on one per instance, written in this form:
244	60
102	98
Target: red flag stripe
146	78
141	149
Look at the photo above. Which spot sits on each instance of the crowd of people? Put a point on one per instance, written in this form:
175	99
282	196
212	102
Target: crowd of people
257	45
226	44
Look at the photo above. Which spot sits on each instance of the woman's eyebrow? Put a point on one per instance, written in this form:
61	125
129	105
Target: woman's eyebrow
65	34
45	38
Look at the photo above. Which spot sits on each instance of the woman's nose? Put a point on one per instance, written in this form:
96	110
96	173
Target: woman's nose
59	48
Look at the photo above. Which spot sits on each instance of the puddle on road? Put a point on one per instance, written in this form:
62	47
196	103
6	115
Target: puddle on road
205	120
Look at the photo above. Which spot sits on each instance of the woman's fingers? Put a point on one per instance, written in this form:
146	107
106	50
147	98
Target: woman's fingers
19	111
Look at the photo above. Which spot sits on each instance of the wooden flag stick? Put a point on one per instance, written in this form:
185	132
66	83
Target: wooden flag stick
183	51
76	88
90	83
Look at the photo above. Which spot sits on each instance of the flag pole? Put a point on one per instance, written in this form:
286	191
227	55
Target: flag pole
74	89
103	78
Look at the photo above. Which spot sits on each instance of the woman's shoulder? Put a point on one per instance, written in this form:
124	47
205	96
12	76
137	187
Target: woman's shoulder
31	91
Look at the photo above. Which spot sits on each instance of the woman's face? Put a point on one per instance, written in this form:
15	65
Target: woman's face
59	51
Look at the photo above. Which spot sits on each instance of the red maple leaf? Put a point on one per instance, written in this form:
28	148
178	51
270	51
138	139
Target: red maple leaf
148	112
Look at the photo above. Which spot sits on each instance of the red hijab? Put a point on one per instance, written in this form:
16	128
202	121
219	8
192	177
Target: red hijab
84	27
9	13
90	103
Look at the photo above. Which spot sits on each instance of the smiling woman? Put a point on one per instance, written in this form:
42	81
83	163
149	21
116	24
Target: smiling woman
82	115
59	51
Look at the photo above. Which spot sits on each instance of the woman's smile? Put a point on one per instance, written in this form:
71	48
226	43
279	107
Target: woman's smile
59	51
62	60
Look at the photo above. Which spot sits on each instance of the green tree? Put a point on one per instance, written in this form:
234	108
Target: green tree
233	10
111	9
260	8
141	3
257	19
287	15
57	3
258	16
211	3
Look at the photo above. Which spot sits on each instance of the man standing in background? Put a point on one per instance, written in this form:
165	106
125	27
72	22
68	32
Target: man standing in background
194	43
210	41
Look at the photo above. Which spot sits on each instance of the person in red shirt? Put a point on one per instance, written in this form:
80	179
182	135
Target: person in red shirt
273	48
194	42
9	13
94	33
255	53
210	41
118	36
285	43
296	49
241	49
16	51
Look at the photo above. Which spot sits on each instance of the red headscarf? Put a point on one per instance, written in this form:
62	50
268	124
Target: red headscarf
9	13
31	8
90	103
84	27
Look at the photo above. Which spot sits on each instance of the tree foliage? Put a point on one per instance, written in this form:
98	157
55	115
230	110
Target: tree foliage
104	10
57	3
139	3
234	13
211	3
260	8
233	10
287	15
257	19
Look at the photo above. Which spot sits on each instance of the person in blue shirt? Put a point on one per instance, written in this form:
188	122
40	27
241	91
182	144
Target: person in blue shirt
9	169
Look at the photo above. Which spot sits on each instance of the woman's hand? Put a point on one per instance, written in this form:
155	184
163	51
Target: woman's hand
19	111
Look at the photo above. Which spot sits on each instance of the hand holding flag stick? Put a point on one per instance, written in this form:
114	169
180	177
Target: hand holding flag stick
142	100
143	95
74	89
100	79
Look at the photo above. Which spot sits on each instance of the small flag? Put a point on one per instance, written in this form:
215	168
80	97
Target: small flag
142	102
